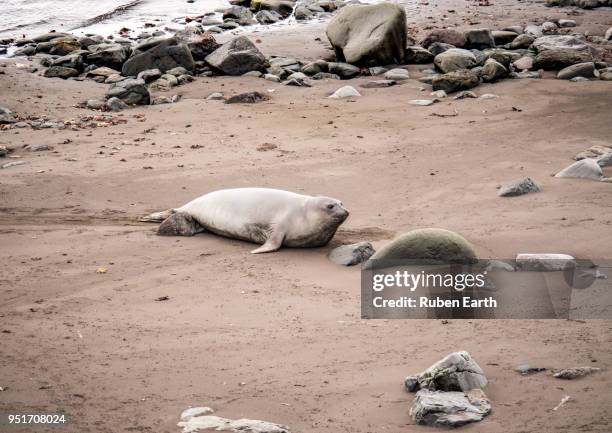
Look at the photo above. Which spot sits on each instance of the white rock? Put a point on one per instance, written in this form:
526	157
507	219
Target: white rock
567	23
488	96
524	63
215	96
449	409
439	94
345	92
397	74
210	422
585	169
13	164
608	35
422	102
195	411
545	262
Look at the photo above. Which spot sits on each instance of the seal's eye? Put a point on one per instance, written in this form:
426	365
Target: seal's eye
330	206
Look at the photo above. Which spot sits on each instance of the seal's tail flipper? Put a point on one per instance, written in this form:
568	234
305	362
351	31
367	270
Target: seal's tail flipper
156	217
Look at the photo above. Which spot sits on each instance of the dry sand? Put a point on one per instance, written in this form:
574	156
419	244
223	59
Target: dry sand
278	336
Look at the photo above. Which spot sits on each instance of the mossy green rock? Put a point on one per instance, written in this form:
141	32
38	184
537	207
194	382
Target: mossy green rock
428	244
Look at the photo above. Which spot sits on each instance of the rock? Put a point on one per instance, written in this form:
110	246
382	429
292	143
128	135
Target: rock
60	72
518	187
163	55
503	37
199	42
178	71
247	98
377	84
585	169
526	369
159	100
455	59
586	70
608	34
74	61
187	414
28	50
522	41
439	94
417	55
13	164
455	81
116	104
112	79
377	70
439	47
315	67
428	244
549	27
345	92
449	409
95	104
533	30
493	71
325	76
555	59
109	55
343	70
465	95
369	35
102	72
149	75
456	372
3	151
605	74
6	116
397	74
211	422
46	37
284	8
268	17
59	46
566	23
446	36
524	63
544	262
555	42
422	102
298	82
273	78
39	147
573	373
216	96
242	15
349	255
302	13
479	38
131	91
236	57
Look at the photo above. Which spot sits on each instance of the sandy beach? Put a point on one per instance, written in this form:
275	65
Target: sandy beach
278	336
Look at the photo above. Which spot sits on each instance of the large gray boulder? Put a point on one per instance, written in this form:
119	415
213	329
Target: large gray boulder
455	81
159	54
237	57
130	91
369	35
110	55
455	59
449	409
456	372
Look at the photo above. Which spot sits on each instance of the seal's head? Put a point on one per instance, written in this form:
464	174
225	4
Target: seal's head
328	210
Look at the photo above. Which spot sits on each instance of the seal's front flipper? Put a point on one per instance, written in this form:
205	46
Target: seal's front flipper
274	242
179	224
156	217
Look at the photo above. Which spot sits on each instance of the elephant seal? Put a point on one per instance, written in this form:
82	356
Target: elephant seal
270	217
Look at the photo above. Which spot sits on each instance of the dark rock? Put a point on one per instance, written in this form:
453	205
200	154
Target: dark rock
238	13
502	37
522	41
439	47
109	55
343	70
455	59
446	36
526	369
268	17
349	255
61	72
247	98
200	43
284	8
74	61
6	116
315	67
59	46
559	58
164	55
150	75
417	55
116	104
236	57
378	84
493	71
325	76
369	35
302	13
586	70
479	38
130	91
102	72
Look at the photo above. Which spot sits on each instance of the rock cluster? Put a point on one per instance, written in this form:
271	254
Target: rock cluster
449	393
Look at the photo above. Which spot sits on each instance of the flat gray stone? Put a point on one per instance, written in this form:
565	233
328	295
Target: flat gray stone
456	372
576	372
449	409
518	187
